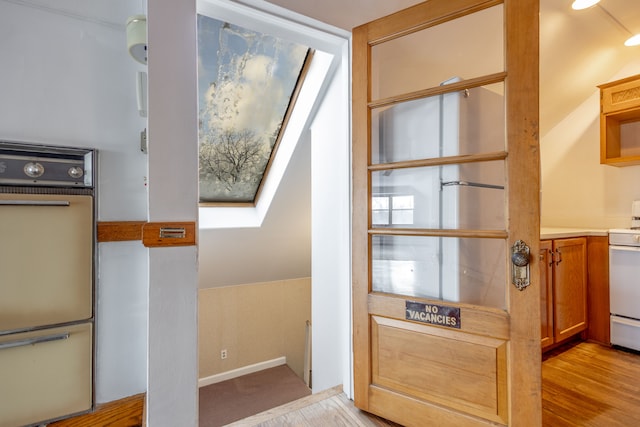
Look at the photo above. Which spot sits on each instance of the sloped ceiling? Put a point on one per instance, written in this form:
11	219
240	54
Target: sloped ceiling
578	49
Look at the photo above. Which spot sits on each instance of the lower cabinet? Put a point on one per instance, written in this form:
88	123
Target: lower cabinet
45	374
546	293
563	287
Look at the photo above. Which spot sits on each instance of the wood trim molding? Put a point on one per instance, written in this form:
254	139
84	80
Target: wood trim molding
152	234
158	234
127	412
119	231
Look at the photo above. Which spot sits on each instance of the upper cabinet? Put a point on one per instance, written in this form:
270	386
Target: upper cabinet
620	122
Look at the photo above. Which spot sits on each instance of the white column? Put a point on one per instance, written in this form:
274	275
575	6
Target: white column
173	186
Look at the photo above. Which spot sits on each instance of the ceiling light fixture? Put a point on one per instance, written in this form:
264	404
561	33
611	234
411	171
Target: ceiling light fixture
634	40
583	4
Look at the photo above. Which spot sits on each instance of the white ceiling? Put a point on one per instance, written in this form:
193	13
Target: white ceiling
113	13
578	49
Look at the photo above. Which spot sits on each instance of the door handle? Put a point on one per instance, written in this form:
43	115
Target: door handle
36	340
520	260
559	260
34	203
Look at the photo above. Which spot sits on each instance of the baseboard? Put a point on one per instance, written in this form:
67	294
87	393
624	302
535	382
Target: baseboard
245	370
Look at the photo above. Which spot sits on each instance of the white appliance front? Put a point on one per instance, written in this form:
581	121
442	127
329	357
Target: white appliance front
624	288
624	277
625	332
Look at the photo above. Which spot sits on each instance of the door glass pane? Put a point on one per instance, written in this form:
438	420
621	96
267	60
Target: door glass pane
467	47
457	123
468	196
449	269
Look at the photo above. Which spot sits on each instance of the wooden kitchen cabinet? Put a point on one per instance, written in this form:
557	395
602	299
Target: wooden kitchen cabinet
563	287
598	289
546	293
620	122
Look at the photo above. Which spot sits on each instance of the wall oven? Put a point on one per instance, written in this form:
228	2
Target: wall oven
624	287
47	228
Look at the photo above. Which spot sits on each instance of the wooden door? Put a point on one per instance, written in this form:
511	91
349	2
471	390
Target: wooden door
445	183
546	293
570	287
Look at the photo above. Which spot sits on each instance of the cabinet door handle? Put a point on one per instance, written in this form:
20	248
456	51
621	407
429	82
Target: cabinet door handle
550	258
36	340
559	256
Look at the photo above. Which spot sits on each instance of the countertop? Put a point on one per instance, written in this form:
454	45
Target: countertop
562	232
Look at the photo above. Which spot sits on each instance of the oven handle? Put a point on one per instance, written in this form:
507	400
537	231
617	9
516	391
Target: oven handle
34	203
625	248
32	341
624	321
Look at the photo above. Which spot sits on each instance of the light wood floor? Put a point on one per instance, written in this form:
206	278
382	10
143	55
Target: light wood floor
585	384
591	385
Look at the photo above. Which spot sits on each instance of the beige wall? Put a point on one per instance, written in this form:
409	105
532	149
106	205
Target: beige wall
254	323
577	191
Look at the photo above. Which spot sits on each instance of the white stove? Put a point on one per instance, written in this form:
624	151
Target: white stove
624	287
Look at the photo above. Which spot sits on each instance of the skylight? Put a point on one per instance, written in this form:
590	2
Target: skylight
247	83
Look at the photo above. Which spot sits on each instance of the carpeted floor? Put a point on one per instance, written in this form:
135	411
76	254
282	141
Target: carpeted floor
238	398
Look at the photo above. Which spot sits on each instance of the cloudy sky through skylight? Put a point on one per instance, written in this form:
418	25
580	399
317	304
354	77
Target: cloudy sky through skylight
245	81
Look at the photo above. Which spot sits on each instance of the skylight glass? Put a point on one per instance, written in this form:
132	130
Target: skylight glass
246	81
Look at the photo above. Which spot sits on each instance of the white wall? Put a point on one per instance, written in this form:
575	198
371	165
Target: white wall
331	235
279	249
577	191
173	186
69	81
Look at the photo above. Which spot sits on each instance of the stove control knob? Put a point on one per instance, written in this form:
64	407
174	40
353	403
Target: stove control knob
33	170
75	172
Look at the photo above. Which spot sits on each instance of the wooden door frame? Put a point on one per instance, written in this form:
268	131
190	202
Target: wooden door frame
521	64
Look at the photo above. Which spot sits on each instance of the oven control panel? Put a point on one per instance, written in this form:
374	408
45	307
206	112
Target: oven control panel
28	165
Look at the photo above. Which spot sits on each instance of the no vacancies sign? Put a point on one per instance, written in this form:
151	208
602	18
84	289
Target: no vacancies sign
433	314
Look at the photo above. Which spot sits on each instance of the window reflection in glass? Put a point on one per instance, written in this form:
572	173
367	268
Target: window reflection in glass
452	269
392	210
465	196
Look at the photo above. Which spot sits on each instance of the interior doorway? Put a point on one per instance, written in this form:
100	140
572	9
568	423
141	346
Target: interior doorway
323	132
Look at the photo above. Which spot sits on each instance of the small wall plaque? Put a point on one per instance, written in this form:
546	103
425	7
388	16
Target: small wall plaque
433	314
